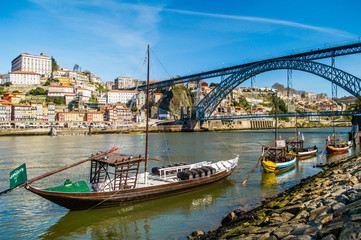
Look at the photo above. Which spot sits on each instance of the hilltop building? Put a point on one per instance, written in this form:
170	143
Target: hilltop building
32	63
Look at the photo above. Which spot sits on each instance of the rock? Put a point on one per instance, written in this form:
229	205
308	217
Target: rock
333	227
354	196
324	219
229	218
329	237
337	206
293	237
354	180
348	208
311	206
299	230
318	212
312	231
302	214
197	233
272	238
342	199
357	186
282	232
282	203
283	217
351	230
355	218
294	209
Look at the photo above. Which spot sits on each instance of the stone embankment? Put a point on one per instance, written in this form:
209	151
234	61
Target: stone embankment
325	206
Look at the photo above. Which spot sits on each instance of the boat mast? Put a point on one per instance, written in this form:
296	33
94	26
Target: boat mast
147	122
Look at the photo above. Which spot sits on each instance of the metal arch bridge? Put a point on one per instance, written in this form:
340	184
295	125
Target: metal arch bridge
341	50
282	115
342	79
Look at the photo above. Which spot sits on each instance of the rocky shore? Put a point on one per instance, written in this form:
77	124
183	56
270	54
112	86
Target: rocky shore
325	206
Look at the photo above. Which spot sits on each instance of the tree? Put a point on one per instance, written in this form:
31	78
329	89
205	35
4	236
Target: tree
54	65
134	109
37	91
213	84
279	87
47	83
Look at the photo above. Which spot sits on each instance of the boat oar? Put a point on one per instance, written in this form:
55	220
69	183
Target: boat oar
327	145
20	172
259	160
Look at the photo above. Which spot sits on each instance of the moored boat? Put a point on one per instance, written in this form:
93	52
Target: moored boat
277	159
124	185
300	151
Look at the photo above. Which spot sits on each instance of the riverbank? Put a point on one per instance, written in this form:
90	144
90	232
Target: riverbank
217	125
325	206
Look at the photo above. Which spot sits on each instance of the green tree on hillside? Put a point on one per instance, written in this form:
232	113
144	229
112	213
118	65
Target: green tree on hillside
54	65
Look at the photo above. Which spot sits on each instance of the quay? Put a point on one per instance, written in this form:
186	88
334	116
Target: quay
324	206
216	125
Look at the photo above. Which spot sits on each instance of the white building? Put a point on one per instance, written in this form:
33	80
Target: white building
120	96
124	83
32	63
21	77
57	90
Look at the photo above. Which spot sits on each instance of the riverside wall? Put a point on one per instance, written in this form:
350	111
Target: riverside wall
218	125
325	206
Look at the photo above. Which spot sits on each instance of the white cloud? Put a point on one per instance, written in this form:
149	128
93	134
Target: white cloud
266	20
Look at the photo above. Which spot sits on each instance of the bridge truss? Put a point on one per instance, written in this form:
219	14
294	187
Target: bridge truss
342	79
285	115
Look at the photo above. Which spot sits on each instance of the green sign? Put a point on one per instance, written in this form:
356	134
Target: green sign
18	176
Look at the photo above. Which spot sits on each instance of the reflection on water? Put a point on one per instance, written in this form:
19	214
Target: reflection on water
124	222
25	215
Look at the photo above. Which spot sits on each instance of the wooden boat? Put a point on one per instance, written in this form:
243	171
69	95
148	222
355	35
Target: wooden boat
300	151
115	179
336	145
127	186
276	159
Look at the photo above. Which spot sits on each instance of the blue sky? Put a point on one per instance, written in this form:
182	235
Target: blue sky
109	37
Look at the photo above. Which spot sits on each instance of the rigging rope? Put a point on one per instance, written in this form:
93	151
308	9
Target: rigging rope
224	143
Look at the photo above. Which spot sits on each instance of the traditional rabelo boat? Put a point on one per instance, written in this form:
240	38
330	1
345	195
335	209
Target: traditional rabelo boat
300	151
115	179
298	148
277	159
336	145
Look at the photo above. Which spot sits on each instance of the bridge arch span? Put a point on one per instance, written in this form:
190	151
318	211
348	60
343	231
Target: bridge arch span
342	79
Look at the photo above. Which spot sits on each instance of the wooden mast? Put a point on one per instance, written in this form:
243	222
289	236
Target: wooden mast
147	122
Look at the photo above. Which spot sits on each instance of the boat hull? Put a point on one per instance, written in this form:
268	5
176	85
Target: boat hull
270	166
332	149
306	154
82	201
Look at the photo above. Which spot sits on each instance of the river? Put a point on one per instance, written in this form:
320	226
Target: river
27	216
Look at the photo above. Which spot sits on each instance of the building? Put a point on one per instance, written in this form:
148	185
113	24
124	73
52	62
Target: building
12	98
5	112
32	63
94	116
23	112
120	96
71	116
21	77
124	83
